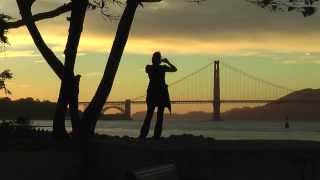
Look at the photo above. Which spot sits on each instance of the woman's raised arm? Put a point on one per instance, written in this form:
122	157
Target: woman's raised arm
171	67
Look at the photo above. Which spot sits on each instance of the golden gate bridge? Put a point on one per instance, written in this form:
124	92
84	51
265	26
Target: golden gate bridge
215	83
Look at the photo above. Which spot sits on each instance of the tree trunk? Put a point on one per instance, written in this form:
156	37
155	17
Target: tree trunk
59	130
91	114
25	11
78	13
74	108
69	89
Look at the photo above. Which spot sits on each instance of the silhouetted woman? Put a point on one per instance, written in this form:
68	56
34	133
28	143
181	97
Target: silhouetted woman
157	93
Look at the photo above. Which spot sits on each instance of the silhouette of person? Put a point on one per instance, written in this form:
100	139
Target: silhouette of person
157	93
286	125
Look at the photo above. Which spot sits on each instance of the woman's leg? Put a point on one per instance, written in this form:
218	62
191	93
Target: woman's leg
146	124
158	127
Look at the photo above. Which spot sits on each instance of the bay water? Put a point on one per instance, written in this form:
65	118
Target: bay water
222	130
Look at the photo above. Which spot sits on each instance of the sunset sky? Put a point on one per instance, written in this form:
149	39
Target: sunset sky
279	47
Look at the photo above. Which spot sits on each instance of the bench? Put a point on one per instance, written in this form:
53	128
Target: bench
162	172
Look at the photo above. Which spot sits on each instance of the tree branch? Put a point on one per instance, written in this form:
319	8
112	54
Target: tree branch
49	56
41	16
93	110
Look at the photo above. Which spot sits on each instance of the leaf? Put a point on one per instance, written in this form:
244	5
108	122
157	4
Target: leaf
6	74
8	91
305	7
291	8
308	11
3	21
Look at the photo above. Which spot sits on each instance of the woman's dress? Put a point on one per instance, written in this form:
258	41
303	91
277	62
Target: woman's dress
157	92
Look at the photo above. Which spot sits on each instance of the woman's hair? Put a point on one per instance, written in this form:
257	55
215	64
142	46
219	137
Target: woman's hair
156	57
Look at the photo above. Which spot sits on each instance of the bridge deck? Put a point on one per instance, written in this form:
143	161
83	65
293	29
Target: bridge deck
256	101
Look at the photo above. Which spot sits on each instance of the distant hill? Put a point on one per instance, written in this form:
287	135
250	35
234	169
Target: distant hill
270	111
276	111
36	109
26	107
32	109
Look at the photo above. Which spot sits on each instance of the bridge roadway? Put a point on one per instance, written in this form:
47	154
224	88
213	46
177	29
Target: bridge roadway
125	106
253	101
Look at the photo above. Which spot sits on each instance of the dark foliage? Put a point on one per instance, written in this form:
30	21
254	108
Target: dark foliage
22	110
3	30
305	7
6	74
27	108
10	129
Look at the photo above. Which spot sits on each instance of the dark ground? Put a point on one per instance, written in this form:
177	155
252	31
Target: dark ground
195	157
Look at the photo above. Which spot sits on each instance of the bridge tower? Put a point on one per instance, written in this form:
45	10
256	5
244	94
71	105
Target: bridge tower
216	91
127	108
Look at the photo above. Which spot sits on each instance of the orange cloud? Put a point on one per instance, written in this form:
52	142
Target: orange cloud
91	43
